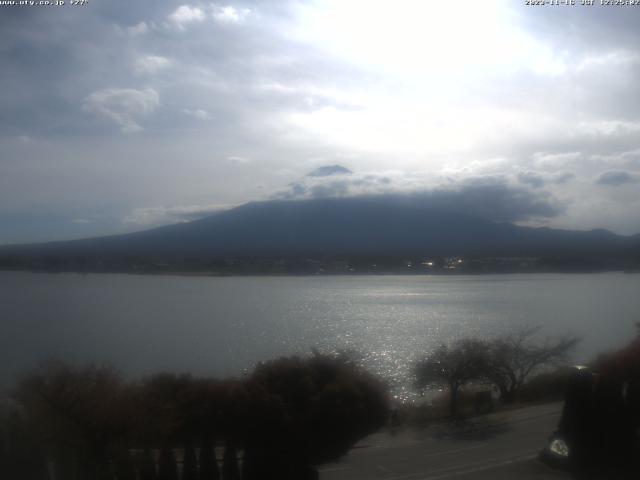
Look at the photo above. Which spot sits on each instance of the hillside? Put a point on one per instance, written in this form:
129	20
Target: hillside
356	227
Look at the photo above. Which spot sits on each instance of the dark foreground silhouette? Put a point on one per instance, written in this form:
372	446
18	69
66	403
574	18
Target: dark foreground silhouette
290	414
599	427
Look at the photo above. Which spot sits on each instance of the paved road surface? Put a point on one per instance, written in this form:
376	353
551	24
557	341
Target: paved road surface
498	446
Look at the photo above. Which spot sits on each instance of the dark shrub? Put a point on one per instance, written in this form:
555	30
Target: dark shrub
547	386
208	463
189	463
601	417
78	412
21	455
230	468
146	466
167	467
313	409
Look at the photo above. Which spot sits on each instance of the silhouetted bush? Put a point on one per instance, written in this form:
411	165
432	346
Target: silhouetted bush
546	386
312	409
230	468
167	467
291	413
601	417
171	408
21	454
208	463
124	465
189	463
147	467
78	412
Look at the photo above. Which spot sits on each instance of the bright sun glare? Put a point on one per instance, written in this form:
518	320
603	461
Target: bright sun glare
424	60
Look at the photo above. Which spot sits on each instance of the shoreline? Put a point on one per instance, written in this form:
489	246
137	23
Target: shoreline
216	274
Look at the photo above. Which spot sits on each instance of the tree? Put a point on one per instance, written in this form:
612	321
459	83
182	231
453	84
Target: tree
306	411
147	466
230	463
513	358
453	366
21	455
78	411
208	463
167	467
601	416
124	465
189	463
172	408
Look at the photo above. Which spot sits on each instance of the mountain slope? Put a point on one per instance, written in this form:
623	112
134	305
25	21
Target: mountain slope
384	226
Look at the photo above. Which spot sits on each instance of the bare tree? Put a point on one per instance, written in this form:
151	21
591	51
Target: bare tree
513	358
453	366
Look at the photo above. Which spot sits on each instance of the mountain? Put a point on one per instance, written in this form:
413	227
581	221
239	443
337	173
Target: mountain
357	227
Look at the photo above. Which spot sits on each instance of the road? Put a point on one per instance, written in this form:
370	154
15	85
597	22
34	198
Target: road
498	446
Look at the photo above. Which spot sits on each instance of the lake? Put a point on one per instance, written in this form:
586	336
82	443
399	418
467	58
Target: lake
223	325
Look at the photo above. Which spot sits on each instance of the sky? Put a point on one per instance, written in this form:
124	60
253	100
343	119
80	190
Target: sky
118	116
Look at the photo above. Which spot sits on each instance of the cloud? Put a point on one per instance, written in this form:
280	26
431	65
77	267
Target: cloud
184	14
560	178
149	216
490	197
229	14
616	178
198	113
150	64
122	106
494	201
238	160
533	179
326	182
291	97
329	171
138	29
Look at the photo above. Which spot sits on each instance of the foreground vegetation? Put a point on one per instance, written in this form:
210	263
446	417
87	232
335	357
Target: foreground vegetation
505	363
287	416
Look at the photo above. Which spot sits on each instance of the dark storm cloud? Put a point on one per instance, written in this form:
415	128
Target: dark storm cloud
490	197
493	201
616	178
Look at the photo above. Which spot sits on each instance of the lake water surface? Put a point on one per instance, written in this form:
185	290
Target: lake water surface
223	325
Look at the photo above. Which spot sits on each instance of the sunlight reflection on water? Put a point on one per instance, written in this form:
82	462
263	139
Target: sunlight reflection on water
222	326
